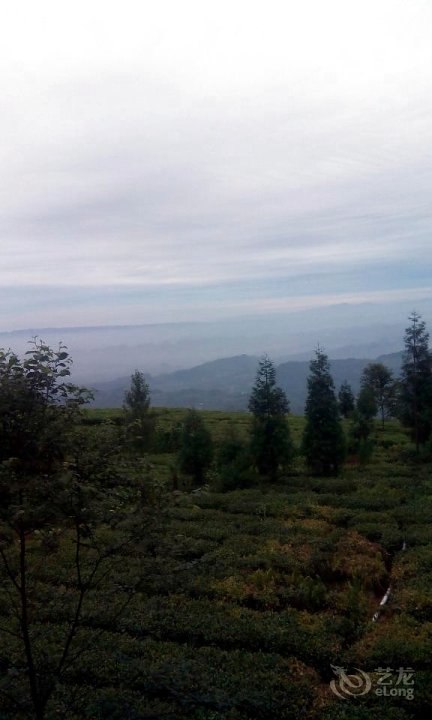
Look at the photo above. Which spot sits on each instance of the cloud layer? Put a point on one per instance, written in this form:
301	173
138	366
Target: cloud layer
190	160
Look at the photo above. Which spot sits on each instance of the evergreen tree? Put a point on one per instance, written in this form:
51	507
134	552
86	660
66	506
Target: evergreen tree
362	423
137	398
346	400
271	445
379	379
196	451
415	399
139	422
323	439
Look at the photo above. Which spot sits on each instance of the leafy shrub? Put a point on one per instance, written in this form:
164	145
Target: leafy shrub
360	560
406	645
167	440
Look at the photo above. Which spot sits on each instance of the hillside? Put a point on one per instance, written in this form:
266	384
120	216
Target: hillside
247	599
225	384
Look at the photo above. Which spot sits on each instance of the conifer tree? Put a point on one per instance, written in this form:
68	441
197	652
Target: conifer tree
323	439
139	422
346	399
415	399
271	445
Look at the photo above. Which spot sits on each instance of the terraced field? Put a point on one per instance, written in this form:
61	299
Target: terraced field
246	599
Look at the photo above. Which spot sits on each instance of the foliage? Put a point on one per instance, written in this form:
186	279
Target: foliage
323	441
137	398
358	559
242	582
366	404
234	462
167	440
239	607
140	423
37	405
196	451
379	379
346	400
59	503
270	441
360	442
95	453
37	408
415	396
267	400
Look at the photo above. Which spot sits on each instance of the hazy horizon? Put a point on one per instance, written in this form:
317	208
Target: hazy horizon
107	352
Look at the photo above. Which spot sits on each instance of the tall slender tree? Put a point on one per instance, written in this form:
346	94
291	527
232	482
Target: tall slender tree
140	423
346	399
362	424
271	445
415	398
323	439
379	378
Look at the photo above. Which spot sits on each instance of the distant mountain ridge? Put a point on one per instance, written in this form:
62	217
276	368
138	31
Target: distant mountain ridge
103	352
225	384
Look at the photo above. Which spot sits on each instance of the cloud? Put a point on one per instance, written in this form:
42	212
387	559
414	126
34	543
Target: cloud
187	149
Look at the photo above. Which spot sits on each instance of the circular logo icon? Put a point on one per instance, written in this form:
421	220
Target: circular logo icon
353	685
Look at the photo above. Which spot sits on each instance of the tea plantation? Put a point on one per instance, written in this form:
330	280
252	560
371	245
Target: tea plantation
247	598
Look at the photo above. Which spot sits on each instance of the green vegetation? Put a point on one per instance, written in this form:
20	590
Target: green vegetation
323	441
65	495
196	450
360	443
184	583
139	423
346	399
379	380
415	396
270	445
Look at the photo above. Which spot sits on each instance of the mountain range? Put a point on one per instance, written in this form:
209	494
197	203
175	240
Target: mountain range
225	384
102	353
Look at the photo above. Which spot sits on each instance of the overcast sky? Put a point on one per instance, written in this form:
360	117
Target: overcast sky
168	161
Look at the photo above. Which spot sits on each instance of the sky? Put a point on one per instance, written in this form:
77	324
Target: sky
178	161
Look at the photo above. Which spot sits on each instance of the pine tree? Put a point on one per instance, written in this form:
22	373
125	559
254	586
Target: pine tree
139	422
323	439
346	400
415	399
271	445
137	398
